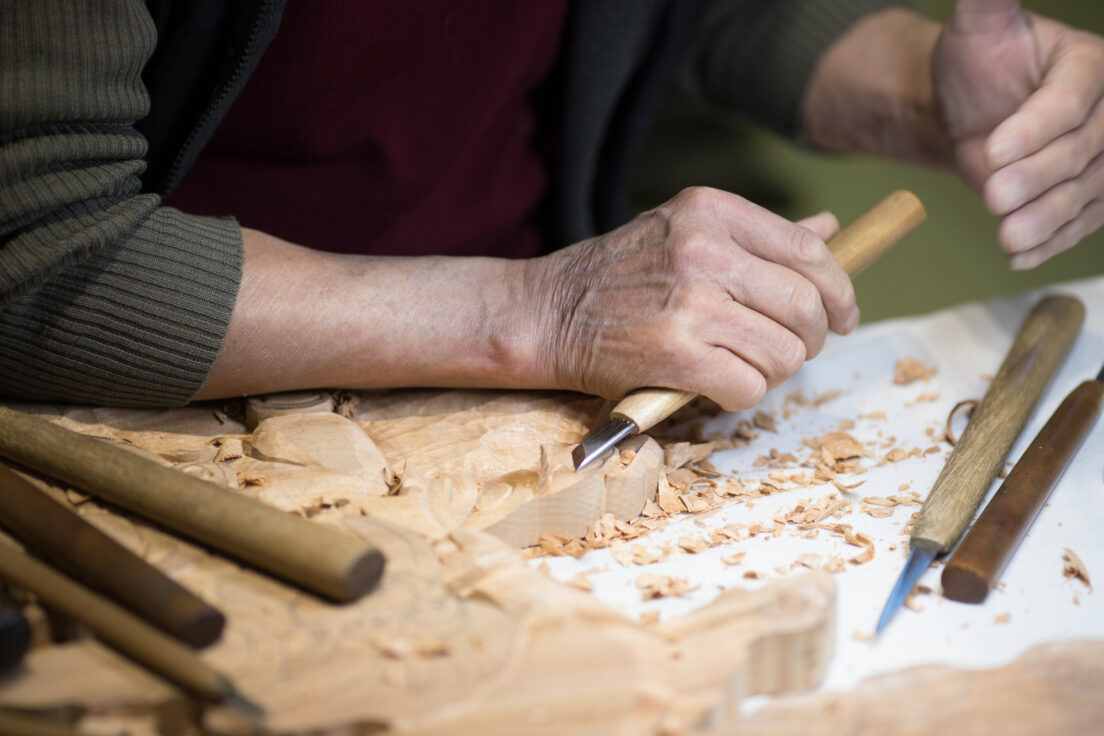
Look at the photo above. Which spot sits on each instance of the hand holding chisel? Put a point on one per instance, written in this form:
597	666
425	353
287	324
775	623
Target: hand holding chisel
855	247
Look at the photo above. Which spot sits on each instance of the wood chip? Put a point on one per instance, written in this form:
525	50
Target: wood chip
908	370
733	559
765	421
581	582
659	586
1002	618
694	545
810	560
229	449
1073	567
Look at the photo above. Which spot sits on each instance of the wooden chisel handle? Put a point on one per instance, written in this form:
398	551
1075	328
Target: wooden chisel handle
325	560
855	247
1040	347
82	551
987	547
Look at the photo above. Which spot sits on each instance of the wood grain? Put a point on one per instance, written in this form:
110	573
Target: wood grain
1035	355
977	563
855	247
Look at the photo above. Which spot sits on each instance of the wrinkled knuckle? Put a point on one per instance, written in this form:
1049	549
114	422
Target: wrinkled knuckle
807	251
805	304
692	250
698	198
790	356
748	392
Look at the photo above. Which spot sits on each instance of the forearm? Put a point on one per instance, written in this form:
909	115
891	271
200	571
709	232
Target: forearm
872	91
306	319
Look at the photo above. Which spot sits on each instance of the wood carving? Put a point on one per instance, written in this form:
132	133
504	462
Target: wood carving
462	635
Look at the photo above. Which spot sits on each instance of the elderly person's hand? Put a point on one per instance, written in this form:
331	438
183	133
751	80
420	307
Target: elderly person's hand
707	293
1021	99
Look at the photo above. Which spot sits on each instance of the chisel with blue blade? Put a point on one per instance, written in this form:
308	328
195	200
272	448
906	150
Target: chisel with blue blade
1041	345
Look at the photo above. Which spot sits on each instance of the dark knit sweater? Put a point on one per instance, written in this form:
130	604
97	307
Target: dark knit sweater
108	297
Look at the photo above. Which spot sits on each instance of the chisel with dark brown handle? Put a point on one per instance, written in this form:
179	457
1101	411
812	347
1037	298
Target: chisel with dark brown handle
1040	347
855	247
987	547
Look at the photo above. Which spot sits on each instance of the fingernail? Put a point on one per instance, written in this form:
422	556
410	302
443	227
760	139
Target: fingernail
1020	262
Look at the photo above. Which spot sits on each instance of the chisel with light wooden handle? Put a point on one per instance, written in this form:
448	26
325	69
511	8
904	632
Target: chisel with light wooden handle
855	247
1038	350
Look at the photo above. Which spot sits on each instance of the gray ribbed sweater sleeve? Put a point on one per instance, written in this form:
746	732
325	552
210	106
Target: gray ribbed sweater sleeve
757	56
105	296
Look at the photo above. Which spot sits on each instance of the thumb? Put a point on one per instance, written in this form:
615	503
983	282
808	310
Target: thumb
983	16
823	224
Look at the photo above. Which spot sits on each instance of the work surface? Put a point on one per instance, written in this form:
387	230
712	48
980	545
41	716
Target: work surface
760	570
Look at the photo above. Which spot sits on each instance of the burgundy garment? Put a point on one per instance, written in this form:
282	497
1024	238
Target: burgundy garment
389	128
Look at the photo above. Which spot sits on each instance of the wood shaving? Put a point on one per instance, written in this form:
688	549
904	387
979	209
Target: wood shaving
810	560
908	370
649	618
836	446
733	559
581	582
659	586
834	565
1073	567
765	421
1002	618
681	454
229	449
972	403
694	545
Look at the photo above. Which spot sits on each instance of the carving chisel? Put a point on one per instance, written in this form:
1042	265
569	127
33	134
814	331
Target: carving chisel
987	547
1040	347
855	247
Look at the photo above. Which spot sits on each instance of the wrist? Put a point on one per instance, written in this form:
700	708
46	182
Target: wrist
872	91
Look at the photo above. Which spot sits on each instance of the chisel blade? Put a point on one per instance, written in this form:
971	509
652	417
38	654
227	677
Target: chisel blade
598	444
922	555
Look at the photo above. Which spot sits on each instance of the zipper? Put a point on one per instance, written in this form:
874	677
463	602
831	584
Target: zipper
229	81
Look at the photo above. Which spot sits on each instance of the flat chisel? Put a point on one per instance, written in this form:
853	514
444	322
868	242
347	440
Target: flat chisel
1038	350
855	247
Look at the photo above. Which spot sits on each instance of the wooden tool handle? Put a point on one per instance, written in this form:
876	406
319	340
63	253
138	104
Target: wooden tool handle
855	247
316	557
82	551
987	547
1042	343
115	626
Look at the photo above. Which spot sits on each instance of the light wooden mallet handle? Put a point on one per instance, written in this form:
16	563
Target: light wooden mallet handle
316	557
1038	350
855	247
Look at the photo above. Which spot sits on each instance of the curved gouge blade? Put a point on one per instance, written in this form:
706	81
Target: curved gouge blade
922	554
596	445
855	247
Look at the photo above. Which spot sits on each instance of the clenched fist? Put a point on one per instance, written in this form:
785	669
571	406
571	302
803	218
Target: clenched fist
707	293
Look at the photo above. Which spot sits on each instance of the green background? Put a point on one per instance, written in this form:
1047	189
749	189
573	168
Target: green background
954	257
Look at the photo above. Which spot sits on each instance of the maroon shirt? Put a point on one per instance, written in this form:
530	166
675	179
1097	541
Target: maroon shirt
389	128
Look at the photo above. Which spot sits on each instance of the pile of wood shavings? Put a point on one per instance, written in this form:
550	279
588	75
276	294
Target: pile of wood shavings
690	484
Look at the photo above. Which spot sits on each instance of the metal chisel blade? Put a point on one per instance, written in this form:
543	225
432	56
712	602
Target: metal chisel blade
598	444
923	554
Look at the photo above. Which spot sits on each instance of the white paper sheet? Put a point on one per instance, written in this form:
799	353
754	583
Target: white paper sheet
1035	602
